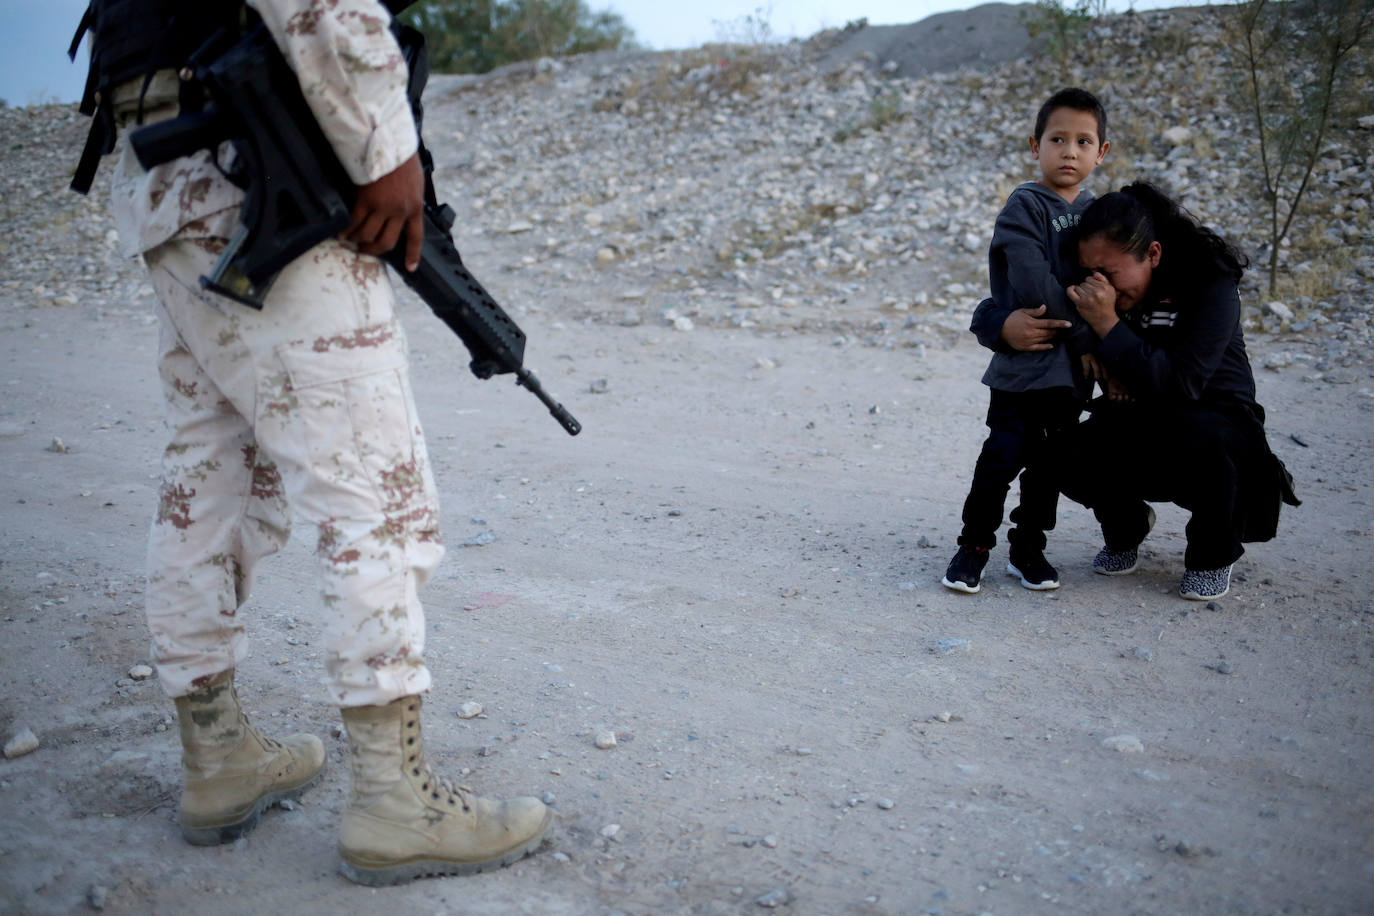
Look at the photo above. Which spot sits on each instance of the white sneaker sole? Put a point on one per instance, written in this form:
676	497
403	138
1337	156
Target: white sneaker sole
964	587
1047	585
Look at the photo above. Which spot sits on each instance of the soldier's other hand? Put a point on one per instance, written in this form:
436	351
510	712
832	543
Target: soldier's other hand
386	208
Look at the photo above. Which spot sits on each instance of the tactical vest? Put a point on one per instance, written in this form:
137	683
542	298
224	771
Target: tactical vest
135	40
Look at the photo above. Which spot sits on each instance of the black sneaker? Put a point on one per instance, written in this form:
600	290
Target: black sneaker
1035	571
965	573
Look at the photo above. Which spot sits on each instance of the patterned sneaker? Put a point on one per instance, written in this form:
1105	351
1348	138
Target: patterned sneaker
1110	562
1205	584
1035	571
965	572
1115	562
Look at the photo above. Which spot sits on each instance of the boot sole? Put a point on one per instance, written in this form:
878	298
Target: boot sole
219	834
402	872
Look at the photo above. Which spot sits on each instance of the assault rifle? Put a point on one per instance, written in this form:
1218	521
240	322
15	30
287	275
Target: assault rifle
297	194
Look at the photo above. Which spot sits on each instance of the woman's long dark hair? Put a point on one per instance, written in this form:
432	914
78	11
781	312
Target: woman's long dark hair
1140	213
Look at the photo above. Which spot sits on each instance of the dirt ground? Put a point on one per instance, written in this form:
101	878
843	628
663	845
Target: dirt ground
736	569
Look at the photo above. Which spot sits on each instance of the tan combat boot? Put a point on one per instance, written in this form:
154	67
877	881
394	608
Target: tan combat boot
231	773
403	822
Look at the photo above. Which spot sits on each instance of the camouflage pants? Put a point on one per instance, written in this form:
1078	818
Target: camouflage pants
304	408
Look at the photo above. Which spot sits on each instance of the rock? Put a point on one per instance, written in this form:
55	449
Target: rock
774	898
58	446
1280	311
1124	744
96	895
140	672
469	710
947	644
22	742
605	740
886	804
1178	135
609	831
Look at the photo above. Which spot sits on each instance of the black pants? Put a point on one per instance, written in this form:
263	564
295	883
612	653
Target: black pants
1196	457
1020	423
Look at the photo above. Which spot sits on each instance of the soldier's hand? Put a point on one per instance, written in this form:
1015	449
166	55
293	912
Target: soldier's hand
386	208
1024	329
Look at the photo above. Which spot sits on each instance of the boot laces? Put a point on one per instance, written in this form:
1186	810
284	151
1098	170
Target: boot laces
441	788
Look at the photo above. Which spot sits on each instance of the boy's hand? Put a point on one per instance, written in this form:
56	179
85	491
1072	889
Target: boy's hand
1024	329
1093	370
389	206
1116	391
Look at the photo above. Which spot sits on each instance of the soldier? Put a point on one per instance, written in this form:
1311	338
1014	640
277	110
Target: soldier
304	407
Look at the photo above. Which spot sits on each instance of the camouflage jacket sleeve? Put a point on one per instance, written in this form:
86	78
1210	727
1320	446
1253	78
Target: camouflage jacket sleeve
353	76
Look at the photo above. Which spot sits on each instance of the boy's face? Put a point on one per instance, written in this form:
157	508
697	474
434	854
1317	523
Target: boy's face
1068	150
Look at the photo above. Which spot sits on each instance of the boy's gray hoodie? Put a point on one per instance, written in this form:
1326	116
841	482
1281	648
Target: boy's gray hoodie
1030	262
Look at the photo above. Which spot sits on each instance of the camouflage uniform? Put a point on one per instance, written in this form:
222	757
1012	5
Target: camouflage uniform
306	404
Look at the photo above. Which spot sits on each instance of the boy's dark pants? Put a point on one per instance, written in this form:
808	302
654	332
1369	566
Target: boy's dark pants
1197	457
1019	423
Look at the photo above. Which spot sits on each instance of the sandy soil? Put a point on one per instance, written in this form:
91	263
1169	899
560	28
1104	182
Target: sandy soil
735	568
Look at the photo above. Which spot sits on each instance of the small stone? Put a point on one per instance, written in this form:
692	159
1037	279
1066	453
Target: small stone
140	672
95	896
770	841
774	898
605	256
609	831
1142	653
1124	744
1222	667
22	742
562	857
886	804
548	798
605	740
943	716
599	386
947	644
469	710
1177	135
1279	310
58	446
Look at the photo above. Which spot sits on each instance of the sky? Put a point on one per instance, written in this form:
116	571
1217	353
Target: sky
34	34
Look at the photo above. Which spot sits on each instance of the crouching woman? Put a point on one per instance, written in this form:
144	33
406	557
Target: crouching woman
1161	293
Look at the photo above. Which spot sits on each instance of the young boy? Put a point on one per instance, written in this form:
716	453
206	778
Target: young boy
1036	391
